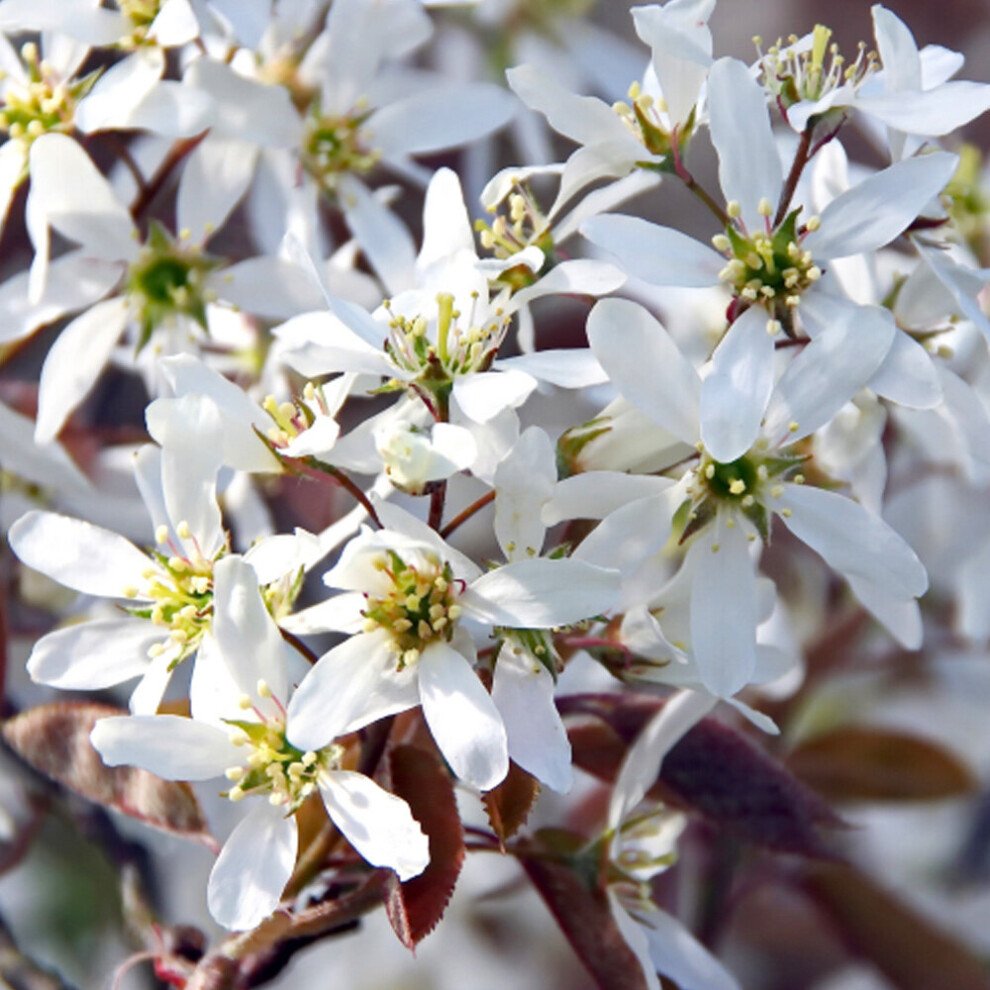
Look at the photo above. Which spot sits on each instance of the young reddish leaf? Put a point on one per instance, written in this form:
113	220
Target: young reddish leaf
587	923
904	946
415	907
876	764
508	805
54	739
714	770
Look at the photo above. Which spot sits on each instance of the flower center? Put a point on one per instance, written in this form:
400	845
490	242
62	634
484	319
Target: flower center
167	282
42	103
289	419
768	267
272	765
795	73
420	607
739	486
181	591
525	225
141	14
334	145
646	117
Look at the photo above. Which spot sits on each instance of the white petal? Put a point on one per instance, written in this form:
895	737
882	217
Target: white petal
581	276
215	177
902	619
446	224
92	655
584	119
247	110
566	368
735	394
596	494
71	282
84	210
77	18
849	343
658	255
147	696
354	684
74	363
45	464
78	554
642	763
748	161
907	375
379	825
874	212
483	396
645	365
121	88
723	609
245	632
438	119
897	49
384	237
635	938
541	593
175	24
680	957
852	540
170	110
523	693
462	717
169	746
930	112
245	887
524	481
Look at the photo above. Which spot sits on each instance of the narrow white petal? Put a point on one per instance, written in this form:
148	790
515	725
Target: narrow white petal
907	375
541	593
121	88
481	397
658	255
175	24
635	938
645	365
384	238
748	162
680	957
147	695
462	717
642	763
874	212
354	684
215	177
93	655
735	394
377	824
245	886
78	554
169	746
523	693
74	363
583	119
524	481
446	224
897	49
930	112
245	632
85	210
852	540
438	119
171	110
45	464
902	619
596	494
580	276
848	346
723	610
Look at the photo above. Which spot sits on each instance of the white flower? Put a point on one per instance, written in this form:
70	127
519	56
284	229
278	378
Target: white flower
411	596
239	730
643	843
744	425
168	591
